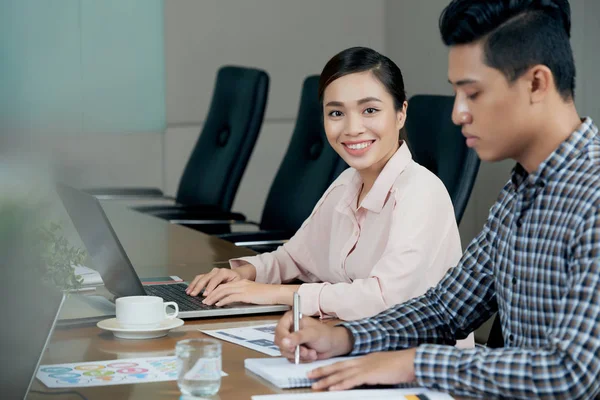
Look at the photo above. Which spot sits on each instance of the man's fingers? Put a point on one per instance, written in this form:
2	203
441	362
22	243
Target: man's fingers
283	327
336	376
306	354
301	337
353	380
331	369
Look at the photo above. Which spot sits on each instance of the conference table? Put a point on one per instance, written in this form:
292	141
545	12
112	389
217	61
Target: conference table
158	248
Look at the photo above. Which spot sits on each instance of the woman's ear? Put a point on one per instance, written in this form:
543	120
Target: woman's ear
401	116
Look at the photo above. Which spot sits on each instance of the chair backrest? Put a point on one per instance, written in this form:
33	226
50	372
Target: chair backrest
438	145
308	167
213	172
496	338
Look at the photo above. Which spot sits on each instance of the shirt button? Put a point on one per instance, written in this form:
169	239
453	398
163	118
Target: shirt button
514	281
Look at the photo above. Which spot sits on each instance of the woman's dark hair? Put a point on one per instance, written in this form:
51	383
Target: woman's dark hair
516	34
360	59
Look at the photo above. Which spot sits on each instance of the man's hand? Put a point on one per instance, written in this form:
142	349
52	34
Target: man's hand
389	368
246	291
218	276
317	341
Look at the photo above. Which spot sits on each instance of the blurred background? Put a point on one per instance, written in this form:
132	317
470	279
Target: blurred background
115	92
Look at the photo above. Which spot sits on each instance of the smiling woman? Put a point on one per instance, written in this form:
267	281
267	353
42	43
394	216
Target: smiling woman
382	233
364	110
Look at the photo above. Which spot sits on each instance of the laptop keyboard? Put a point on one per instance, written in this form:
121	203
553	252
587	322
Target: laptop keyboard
176	293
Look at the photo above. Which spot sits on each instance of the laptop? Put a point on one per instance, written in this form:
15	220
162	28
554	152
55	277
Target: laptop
117	272
27	326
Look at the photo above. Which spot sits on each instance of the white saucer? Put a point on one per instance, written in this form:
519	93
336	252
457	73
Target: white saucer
113	326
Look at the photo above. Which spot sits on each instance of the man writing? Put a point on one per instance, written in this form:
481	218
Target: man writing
536	261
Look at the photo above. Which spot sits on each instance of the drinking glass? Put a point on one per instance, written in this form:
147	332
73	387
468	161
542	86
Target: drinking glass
199	366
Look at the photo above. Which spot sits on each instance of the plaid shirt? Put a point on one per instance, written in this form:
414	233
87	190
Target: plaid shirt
536	262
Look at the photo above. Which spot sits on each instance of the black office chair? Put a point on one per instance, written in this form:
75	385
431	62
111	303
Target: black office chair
438	145
214	170
496	338
309	166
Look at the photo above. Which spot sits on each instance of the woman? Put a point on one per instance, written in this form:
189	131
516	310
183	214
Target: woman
382	233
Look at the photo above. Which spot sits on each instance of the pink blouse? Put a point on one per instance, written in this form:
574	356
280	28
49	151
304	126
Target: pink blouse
360	261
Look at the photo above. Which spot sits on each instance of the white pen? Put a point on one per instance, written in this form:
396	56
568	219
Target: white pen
297	318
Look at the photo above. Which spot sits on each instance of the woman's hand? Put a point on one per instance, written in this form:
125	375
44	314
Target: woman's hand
219	276
245	291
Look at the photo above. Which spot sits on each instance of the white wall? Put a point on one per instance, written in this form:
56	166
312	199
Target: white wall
587	57
290	39
414	43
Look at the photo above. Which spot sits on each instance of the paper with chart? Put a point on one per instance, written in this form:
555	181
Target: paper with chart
109	372
260	337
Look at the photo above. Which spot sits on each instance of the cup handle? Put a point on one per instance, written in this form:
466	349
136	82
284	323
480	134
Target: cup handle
175	306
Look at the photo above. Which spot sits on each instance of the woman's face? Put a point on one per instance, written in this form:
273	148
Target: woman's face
361	122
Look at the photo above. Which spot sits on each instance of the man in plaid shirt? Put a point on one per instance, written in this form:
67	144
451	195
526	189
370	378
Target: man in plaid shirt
537	260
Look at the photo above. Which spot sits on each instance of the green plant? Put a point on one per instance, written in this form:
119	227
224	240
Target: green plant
59	257
35	247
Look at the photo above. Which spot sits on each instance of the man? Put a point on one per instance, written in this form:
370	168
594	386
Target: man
537	260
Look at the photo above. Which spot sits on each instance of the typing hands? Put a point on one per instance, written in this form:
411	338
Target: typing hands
223	286
210	281
320	341
246	291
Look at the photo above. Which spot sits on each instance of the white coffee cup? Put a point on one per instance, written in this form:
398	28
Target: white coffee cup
143	312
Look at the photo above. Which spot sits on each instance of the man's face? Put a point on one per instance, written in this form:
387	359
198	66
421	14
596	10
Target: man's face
493	113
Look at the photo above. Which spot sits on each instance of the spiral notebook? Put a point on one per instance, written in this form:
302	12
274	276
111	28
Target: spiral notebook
361	394
286	375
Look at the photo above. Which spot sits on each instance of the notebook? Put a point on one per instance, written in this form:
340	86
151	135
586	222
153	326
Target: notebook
285	375
371	394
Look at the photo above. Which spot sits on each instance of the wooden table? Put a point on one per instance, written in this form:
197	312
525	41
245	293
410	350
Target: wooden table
157	248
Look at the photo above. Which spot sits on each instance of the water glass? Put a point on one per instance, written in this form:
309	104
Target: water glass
199	366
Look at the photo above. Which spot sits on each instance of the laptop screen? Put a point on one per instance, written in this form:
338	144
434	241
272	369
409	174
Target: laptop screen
101	242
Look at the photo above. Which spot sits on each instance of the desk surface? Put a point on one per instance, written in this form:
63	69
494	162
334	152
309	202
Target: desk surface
92	344
157	248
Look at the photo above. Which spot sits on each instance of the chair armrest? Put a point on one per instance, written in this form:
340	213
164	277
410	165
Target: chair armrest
211	222
260	243
180	212
259	237
127	193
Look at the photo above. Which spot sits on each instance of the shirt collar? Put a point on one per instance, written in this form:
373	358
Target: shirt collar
568	150
375	200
